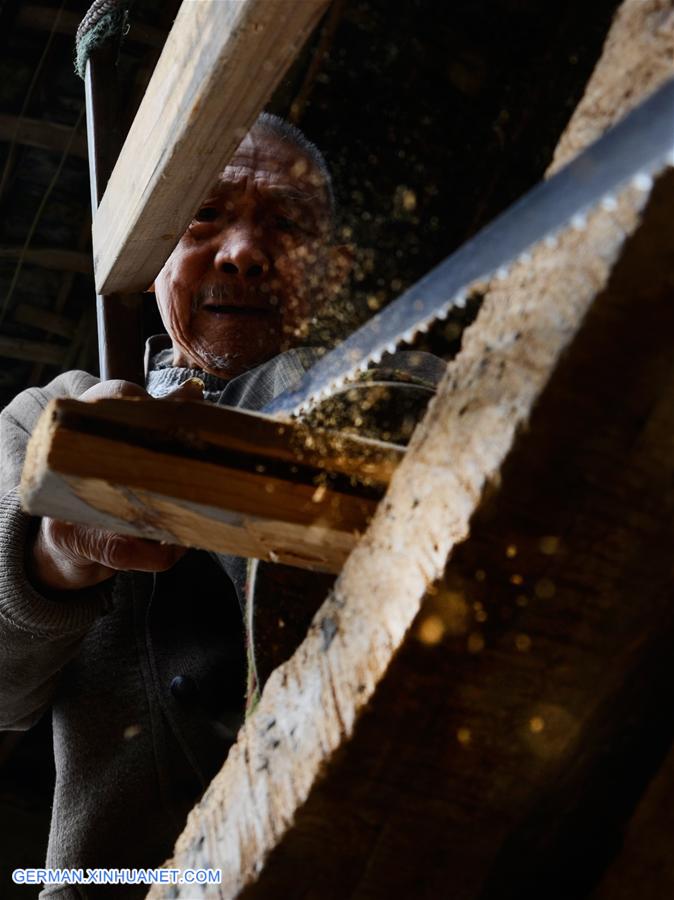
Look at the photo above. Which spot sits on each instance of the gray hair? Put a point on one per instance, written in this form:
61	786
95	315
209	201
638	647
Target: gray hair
291	134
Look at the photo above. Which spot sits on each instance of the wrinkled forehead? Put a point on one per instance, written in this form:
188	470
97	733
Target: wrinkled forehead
270	161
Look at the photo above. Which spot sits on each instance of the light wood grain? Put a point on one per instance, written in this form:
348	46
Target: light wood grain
219	66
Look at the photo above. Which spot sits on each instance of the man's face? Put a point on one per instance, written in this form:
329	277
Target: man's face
240	285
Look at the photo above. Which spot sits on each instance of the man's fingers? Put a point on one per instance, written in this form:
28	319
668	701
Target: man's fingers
192	389
128	554
84	546
113	389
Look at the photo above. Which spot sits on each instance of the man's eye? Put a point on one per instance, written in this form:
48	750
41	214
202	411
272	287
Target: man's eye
283	223
206	214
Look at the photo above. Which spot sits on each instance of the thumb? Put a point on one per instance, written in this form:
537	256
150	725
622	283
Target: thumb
192	389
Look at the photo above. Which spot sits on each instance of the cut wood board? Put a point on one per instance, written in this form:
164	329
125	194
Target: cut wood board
204	476
310	704
220	64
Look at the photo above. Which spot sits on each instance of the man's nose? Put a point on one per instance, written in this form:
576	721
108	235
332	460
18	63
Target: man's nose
241	255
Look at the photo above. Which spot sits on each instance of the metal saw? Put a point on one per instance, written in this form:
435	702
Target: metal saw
634	151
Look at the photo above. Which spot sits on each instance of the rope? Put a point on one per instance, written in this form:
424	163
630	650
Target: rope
104	19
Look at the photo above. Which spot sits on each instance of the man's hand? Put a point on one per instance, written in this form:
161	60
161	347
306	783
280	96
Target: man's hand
67	557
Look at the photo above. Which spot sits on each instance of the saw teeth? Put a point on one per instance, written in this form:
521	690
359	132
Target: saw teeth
460	299
670	158
579	222
501	273
551	241
408	336
423	327
524	258
642	182
609	203
391	348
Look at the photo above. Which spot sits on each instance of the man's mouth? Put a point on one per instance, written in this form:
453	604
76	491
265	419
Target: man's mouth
221	300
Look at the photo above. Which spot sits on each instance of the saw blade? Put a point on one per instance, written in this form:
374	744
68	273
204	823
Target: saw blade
636	149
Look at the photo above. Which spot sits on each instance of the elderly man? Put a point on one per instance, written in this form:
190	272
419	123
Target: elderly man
139	647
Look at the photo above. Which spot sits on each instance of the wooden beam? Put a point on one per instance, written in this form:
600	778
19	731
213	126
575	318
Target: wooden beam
270	782
51	258
67	281
12	378
47	18
211	477
41	134
45	319
220	64
34	351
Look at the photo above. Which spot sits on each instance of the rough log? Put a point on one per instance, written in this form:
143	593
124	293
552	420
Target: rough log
221	62
412	815
525	710
204	476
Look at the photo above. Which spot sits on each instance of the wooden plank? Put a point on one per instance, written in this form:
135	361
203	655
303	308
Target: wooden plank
34	351
41	134
206	476
310	704
51	258
45	319
219	66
